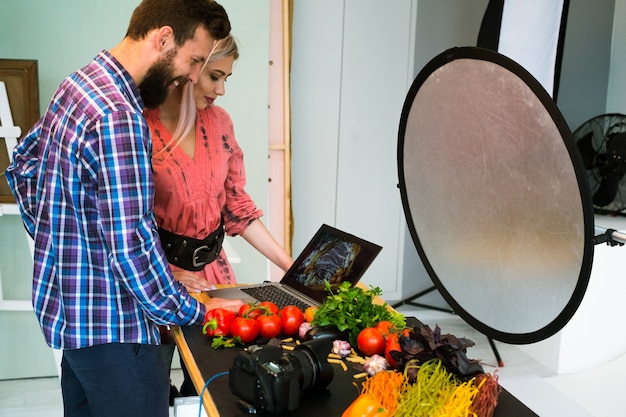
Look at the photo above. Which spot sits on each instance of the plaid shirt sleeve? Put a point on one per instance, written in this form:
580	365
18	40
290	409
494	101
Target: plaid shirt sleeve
126	191
22	176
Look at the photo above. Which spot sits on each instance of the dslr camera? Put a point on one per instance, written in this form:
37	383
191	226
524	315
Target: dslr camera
270	379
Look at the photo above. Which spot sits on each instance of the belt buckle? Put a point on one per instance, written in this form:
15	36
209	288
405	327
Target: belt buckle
195	256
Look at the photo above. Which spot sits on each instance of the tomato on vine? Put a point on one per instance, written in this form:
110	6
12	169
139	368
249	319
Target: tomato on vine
386	328
292	318
270	326
393	344
269	306
370	341
245	328
248	310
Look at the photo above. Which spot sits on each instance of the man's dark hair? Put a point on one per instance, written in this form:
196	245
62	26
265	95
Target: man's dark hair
183	16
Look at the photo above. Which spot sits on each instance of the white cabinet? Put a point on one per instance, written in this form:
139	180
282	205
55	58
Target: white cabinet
352	65
601	311
351	68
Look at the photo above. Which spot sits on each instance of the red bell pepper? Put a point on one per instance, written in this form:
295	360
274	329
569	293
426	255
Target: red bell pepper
217	322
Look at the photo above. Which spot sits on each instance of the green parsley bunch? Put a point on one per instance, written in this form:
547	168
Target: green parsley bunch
353	308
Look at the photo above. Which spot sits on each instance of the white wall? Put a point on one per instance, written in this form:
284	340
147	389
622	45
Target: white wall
616	93
585	73
349	82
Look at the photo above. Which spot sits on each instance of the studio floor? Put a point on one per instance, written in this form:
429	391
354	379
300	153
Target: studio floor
593	393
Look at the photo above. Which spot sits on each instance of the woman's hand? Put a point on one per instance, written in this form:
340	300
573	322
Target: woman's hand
195	283
191	281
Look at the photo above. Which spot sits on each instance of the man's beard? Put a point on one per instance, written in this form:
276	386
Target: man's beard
155	86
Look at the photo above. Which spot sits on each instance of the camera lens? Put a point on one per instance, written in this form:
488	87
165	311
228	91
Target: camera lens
267	378
316	372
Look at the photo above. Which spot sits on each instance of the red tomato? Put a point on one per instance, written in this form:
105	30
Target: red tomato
392	344
292	318
269	326
385	327
370	341
271	307
246	328
248	310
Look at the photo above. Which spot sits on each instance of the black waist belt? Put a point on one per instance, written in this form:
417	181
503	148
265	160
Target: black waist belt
189	253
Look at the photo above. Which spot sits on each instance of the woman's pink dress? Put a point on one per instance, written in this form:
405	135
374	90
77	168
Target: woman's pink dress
192	194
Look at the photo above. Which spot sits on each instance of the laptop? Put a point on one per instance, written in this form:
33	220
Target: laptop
331	255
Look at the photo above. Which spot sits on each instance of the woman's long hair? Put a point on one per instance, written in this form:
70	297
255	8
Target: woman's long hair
187	117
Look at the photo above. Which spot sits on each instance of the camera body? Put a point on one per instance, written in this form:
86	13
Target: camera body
271	379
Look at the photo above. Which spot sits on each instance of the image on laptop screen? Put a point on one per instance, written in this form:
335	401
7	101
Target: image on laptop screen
334	256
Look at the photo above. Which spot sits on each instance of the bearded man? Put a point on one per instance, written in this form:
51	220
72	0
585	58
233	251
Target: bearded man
82	178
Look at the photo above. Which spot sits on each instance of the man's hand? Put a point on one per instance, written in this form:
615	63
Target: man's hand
232	305
196	283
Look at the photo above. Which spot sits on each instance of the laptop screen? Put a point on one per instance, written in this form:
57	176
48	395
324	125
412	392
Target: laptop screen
331	255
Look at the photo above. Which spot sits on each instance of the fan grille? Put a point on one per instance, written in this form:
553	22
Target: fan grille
602	145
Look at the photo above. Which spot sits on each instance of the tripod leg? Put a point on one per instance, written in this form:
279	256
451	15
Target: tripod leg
495	352
410	299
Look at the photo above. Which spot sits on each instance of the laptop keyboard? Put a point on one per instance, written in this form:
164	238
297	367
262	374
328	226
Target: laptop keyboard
276	295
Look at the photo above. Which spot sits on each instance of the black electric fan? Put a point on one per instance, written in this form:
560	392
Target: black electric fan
602	145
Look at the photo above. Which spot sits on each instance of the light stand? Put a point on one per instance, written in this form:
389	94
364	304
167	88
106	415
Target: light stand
611	237
411	301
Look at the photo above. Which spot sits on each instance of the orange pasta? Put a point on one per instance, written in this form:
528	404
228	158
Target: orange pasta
387	387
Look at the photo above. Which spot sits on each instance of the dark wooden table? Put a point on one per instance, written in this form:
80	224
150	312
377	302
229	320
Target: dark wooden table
203	362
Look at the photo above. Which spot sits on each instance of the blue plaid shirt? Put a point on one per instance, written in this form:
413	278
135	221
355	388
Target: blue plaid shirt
83	180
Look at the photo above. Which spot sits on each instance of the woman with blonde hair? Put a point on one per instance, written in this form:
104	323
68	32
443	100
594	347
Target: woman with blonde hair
200	181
